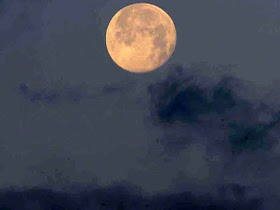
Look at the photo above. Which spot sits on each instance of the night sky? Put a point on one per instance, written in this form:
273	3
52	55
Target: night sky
79	132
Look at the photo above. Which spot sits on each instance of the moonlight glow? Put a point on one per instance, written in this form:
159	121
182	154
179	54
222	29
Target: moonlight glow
141	37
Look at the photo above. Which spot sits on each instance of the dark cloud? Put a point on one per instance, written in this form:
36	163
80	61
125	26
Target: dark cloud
180	98
216	126
177	98
244	137
121	197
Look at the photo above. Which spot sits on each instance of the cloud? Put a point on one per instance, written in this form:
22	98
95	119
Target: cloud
70	93
216	132
182	98
118	196
50	95
202	146
44	95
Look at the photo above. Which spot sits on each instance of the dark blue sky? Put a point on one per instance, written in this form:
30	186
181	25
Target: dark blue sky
204	124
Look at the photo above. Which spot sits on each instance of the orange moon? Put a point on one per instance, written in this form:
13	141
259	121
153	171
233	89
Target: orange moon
141	37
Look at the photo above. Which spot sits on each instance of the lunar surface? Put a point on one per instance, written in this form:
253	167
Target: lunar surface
141	37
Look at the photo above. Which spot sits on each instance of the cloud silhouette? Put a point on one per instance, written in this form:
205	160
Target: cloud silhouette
217	131
121	197
180	98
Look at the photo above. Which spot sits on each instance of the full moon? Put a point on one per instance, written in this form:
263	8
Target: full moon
141	37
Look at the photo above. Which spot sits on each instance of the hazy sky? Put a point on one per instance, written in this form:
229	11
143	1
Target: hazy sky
70	115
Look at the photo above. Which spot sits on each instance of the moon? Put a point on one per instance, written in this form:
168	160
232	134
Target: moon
141	37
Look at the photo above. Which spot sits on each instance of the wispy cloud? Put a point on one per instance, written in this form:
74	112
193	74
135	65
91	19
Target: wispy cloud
71	93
